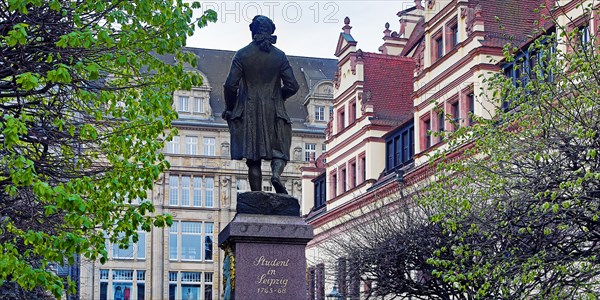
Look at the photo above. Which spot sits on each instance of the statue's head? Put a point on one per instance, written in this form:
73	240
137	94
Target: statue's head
262	29
262	25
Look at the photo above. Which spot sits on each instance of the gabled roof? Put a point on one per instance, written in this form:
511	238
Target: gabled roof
415	37
344	40
507	20
389	81
215	65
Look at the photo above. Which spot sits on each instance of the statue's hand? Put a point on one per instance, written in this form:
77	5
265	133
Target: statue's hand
226	115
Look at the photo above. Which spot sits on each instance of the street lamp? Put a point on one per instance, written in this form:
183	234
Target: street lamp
334	294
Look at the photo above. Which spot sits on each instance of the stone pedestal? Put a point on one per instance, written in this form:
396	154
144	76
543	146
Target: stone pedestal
265	253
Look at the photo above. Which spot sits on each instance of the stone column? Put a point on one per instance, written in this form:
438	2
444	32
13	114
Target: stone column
265	249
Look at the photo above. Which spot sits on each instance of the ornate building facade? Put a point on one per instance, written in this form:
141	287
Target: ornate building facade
377	155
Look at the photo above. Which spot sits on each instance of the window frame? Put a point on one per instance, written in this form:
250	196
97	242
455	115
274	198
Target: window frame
191	145
176	237
108	279
209	149
177	281
183	103
319	113
308	152
198	104
173	146
205	191
437	42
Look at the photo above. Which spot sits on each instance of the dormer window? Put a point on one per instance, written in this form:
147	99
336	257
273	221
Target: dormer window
193	104
319	113
198	104
184	104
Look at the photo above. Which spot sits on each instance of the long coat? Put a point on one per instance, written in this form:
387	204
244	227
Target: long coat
255	90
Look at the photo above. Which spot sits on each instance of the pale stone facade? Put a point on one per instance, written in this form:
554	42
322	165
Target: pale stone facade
200	189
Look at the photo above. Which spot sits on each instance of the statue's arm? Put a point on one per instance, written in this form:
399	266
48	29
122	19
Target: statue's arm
290	85
232	83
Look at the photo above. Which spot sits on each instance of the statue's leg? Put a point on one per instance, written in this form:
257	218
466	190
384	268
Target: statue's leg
277	166
254	175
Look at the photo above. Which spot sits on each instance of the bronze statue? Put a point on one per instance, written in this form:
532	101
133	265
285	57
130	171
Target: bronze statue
259	81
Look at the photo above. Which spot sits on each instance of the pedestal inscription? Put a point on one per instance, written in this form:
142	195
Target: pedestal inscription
274	271
269	255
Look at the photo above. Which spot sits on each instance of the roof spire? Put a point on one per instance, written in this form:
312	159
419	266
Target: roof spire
387	30
347	26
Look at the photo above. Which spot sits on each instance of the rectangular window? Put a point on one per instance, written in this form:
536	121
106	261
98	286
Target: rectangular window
122	284
319	195
363	168
209	184
344	179
189	242
439	48
352	174
208	283
174	241
131	250
190	285
406	155
208	241
399	150
173	145
333	183
191	145
455	114
197	192
188	191
390	155
453	35
583	34
341	120
309	151
198	105
411	137
173	190
441	122
140	246
352	116
319	113
184	104
471	106
330	112
185	190
437	45
427	133
209	146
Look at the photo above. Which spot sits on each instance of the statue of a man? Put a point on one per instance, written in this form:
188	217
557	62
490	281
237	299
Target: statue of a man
259	81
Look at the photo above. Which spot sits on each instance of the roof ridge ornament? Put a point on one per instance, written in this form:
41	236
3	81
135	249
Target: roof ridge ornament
347	26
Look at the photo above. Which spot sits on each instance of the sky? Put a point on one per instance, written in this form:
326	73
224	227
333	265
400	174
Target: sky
304	28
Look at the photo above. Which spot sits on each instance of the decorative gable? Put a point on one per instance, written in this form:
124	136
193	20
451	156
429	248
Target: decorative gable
345	40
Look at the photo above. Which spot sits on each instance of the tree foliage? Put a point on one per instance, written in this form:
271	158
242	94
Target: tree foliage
522	202
85	101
